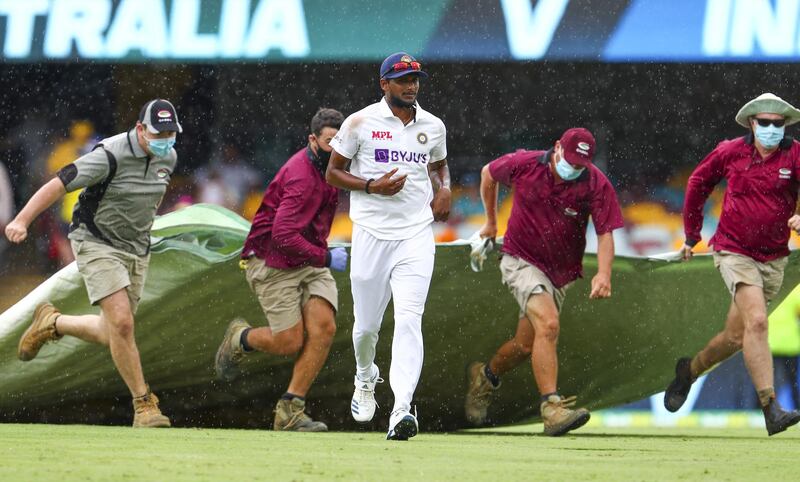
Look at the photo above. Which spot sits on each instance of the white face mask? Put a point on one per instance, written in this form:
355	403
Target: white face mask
566	171
769	136
160	147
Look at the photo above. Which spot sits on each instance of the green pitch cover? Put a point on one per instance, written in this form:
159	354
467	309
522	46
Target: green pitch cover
610	351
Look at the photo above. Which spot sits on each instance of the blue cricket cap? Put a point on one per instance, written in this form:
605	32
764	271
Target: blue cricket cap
400	64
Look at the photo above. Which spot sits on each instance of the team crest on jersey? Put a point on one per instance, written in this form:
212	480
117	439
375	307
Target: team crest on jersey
784	173
422	138
570	212
162	173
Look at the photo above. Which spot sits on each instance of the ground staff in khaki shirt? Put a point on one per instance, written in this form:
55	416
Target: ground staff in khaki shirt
124	179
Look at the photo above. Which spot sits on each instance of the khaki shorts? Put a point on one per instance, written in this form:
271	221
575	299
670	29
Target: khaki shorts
524	280
282	293
106	270
736	268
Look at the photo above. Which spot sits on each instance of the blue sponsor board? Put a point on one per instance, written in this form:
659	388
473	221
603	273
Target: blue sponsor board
709	30
366	30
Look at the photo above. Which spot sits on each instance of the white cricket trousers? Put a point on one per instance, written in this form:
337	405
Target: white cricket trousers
380	270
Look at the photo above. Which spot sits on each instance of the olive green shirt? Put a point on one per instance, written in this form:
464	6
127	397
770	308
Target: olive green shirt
118	206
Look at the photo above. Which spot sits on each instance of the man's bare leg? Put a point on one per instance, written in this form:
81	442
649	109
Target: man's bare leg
286	342
117	314
722	346
318	320
91	328
556	413
543	314
483	379
757	356
320	324
514	351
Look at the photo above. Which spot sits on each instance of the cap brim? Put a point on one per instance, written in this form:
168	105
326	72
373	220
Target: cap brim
396	75
577	160
167	127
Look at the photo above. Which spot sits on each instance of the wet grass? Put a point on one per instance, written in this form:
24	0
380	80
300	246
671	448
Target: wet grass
76	452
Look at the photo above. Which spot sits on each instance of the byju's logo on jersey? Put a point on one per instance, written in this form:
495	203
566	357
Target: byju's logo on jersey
387	155
381	136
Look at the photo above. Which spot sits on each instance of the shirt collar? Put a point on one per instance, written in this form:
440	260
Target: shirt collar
133	143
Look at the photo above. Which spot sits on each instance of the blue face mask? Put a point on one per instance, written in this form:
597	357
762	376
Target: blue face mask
566	171
769	136
160	147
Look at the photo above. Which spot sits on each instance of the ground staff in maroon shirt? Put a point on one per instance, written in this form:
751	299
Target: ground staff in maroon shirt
750	244
286	258
555	192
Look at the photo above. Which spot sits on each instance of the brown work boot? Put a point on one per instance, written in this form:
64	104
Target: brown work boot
559	418
290	416
230	351
146	412
479	391
42	330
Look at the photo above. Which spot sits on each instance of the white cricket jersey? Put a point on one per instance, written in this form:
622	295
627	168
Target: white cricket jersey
377	141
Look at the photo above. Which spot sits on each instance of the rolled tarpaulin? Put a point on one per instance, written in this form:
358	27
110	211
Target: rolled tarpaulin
610	351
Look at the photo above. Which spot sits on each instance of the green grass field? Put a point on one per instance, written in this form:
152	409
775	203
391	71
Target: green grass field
65	453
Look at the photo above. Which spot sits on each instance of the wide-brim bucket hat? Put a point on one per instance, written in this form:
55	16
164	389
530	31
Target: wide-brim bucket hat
768	104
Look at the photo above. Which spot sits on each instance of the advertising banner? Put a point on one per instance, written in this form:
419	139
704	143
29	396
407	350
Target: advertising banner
367	30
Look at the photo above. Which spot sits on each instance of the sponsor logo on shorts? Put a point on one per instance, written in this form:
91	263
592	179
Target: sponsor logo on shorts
387	155
162	173
422	138
784	173
381	136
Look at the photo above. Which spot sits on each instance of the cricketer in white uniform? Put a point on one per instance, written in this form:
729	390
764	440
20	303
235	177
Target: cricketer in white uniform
396	152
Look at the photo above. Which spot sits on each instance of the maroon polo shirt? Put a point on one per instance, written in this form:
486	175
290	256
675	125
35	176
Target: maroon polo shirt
291	226
548	221
759	200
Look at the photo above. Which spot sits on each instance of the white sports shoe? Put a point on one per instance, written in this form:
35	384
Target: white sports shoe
402	425
363	404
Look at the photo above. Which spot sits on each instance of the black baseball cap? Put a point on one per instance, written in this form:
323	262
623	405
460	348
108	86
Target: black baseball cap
159	115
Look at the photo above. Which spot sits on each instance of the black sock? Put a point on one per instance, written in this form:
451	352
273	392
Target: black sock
548	395
491	376
55	326
289	396
243	340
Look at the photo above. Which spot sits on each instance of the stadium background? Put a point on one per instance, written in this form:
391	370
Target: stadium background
657	82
